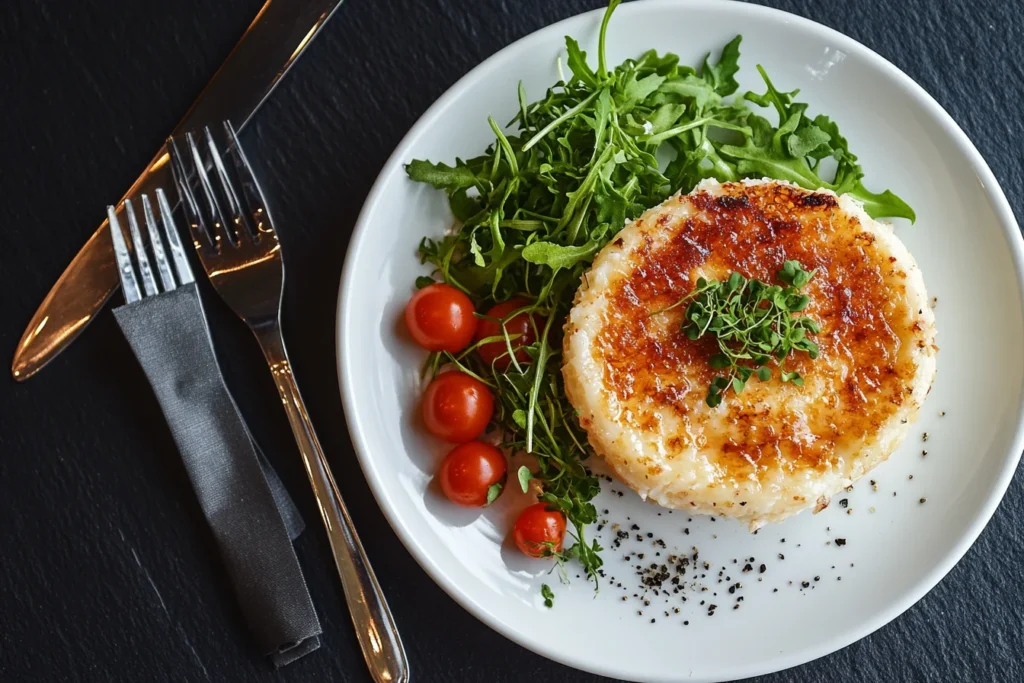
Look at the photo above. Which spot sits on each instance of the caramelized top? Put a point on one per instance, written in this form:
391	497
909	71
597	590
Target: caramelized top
858	296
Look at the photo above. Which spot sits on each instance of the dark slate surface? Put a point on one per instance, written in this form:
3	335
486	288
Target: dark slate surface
106	571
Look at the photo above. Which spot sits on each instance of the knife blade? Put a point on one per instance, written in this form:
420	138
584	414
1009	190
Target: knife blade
270	45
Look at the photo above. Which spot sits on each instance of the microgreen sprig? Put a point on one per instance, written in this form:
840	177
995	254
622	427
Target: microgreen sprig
754	325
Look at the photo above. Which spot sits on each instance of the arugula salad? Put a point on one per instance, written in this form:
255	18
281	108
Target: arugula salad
568	171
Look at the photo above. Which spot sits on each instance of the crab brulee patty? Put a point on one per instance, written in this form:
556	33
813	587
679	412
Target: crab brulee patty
639	383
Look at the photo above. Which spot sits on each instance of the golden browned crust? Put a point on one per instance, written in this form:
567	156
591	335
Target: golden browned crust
858	297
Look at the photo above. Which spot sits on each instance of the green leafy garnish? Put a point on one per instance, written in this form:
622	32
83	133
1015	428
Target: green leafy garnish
547	594
493	491
562	178
524	478
754	324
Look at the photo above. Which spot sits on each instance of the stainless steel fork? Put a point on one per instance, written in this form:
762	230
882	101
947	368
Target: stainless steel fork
239	249
123	255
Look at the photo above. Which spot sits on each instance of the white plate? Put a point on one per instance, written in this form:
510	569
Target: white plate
969	248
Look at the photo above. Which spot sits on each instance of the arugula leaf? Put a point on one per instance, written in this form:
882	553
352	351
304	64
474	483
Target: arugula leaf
722	76
577	61
557	256
884	204
636	91
440	175
806	140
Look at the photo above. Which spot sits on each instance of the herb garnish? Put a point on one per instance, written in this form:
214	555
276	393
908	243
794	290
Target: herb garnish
548	595
539	203
754	325
493	491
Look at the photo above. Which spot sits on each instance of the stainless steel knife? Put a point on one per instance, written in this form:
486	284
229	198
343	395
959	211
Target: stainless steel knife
273	42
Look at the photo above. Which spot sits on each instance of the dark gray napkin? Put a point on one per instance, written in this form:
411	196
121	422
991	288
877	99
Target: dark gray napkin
252	517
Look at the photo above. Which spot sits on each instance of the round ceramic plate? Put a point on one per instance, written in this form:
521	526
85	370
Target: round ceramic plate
901	535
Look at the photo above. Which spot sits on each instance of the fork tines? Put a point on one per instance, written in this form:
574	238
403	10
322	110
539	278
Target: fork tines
228	208
133	255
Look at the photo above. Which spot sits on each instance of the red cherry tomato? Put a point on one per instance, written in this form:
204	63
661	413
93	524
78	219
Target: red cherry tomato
457	407
440	318
520	329
539	531
470	470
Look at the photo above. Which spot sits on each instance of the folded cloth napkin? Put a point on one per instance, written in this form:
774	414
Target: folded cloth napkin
252	518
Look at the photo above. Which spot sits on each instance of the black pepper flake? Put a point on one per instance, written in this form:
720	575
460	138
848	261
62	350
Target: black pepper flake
686	531
634	527
775	590
747	568
844	503
924	454
805	584
762	569
686	623
910	476
712	519
942	413
650	535
783	540
923	501
840	542
781	556
924	436
736	606
742	503
817	578
652	620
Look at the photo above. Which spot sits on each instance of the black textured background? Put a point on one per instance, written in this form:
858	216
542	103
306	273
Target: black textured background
106	570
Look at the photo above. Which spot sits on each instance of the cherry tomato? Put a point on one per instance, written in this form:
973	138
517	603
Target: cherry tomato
470	470
539	531
457	407
440	318
520	329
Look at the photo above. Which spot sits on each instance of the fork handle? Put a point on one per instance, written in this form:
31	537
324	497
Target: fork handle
374	625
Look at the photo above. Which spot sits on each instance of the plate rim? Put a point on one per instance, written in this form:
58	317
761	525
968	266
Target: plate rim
802	655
